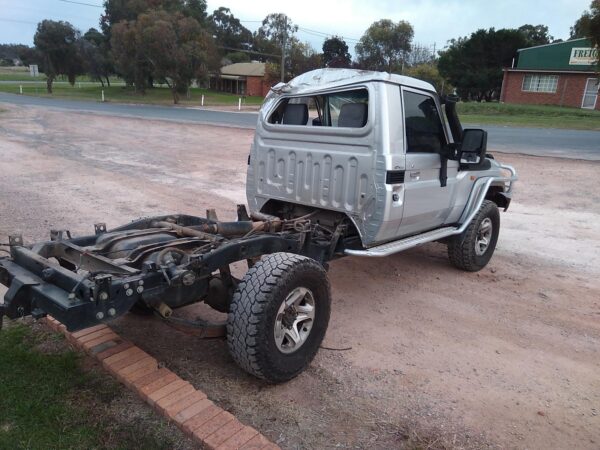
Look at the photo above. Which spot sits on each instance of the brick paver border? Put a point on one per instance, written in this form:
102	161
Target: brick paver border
173	397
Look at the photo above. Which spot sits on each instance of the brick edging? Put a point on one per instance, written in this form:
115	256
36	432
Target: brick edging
174	398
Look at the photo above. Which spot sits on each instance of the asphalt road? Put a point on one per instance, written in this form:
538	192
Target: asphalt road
560	143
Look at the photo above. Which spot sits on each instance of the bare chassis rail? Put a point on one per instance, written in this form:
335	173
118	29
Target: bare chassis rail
39	286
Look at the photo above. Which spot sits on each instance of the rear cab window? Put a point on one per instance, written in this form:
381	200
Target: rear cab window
345	109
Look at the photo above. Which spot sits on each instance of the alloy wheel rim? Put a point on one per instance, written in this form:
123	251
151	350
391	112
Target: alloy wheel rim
484	236
294	320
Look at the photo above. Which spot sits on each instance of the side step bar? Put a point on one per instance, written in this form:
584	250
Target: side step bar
404	244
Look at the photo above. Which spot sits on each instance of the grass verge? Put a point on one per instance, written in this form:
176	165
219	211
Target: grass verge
541	116
122	94
49	401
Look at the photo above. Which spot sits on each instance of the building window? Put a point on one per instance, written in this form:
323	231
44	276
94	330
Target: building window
540	83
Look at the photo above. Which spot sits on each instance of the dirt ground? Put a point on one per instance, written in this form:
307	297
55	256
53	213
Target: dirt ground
505	358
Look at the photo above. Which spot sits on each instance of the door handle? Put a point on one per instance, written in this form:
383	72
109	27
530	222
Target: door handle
415	175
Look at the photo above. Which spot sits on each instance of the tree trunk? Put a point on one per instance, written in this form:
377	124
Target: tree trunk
101	81
175	94
49	81
107	81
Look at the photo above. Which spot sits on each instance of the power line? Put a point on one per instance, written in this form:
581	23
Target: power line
324	34
81	3
317	33
248	51
17	21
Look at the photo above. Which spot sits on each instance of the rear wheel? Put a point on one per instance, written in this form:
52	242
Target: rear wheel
473	249
278	316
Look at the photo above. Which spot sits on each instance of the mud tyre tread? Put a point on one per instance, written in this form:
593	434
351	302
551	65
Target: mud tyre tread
253	309
461	248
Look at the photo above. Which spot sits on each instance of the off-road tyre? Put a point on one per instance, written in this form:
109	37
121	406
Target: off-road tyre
254	310
461	248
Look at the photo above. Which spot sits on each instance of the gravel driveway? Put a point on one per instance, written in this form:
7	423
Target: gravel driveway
508	357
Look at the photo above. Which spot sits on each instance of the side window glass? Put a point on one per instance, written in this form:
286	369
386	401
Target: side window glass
349	109
340	109
424	129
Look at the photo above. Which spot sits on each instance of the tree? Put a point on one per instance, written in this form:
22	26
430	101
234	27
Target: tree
595	26
116	11
126	55
279	30
335	53
429	72
419	54
57	45
29	55
474	64
588	26
535	34
174	46
94	52
236	57
11	54
581	27
228	30
119	12
303	58
385	45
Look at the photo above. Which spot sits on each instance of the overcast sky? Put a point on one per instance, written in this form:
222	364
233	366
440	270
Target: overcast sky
435	22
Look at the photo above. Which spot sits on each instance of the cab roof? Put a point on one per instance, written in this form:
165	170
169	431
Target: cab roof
321	79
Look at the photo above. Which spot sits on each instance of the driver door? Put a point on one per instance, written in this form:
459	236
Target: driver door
426	203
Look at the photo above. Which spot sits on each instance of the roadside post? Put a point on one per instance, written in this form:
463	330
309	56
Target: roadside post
240	104
202	101
102	95
21	89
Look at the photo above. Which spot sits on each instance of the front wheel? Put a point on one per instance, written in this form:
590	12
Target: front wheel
278	316
473	249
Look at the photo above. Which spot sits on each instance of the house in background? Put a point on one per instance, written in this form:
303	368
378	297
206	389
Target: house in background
564	74
242	79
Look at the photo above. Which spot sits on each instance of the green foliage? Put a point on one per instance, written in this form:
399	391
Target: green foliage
385	45
535	34
474	64
335	53
228	30
278	28
94	52
302	58
277	33
581	27
429	72
173	47
56	43
11	52
116	11
594	26
237	57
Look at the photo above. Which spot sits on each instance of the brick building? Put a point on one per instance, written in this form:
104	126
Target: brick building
563	73
242	79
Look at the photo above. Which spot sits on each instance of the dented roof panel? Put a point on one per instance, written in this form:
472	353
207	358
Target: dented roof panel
322	79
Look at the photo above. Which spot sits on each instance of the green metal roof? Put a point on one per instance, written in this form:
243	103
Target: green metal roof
575	55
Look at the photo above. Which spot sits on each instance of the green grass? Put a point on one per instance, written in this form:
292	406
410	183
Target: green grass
47	401
122	94
542	116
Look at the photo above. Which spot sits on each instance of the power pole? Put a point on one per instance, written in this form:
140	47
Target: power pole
283	41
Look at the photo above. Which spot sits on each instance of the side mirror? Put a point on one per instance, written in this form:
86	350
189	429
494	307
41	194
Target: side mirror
473	147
